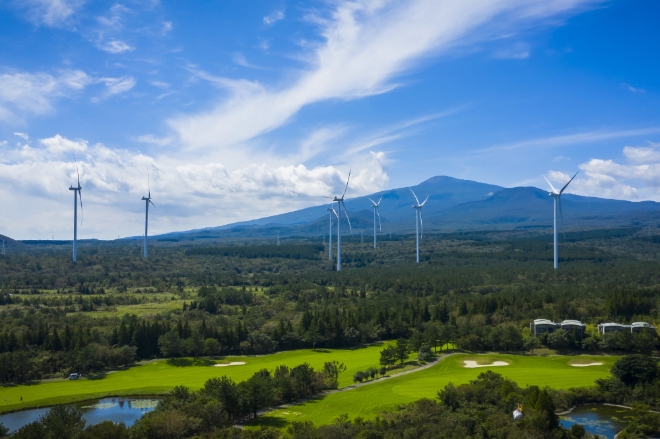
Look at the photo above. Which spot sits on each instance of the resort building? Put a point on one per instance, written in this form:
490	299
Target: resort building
540	326
604	328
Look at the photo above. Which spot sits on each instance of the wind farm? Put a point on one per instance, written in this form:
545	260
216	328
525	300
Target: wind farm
384	220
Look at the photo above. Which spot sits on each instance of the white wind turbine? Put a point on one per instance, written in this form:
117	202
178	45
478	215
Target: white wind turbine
556	195
147	200
418	220
375	207
330	210
76	191
340	202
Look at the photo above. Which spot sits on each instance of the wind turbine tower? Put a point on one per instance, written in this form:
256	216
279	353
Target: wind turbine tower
331	210
340	202
556	195
76	191
376	212
147	200
419	225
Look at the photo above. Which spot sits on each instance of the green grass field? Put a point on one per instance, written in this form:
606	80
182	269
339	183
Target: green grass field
162	375
368	401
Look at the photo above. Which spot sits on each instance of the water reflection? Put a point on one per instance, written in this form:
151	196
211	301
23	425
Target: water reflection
126	410
603	420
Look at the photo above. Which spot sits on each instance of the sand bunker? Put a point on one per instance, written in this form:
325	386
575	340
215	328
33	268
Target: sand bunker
471	364
233	363
587	365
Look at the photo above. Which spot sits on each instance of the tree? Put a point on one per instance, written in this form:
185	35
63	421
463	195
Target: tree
401	349
331	371
224	390
388	356
558	339
3	430
257	392
212	347
424	353
170	344
531	343
635	368
358	377
382	371
61	422
105	430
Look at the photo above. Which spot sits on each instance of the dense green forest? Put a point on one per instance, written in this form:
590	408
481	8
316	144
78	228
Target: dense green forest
477	290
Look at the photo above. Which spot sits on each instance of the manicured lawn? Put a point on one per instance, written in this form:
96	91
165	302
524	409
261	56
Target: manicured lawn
162	375
368	401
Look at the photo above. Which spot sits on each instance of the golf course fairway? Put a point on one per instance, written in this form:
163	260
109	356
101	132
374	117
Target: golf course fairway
369	400
161	376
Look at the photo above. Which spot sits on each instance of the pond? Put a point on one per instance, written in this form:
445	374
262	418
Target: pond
126	410
603	420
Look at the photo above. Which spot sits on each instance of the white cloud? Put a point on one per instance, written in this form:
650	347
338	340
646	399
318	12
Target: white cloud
23	136
118	85
517	51
638	179
632	89
35	92
167	27
151	139
364	47
54	13
59	145
115	47
273	17
188	195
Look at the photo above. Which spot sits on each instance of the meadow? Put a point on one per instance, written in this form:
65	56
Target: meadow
160	376
370	400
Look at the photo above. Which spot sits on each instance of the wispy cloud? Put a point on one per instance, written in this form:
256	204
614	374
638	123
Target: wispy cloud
273	17
115	86
517	51
364	47
115	47
23	136
632	89
52	13
35	92
572	139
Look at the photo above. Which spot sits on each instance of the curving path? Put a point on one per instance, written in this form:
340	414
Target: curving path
262	412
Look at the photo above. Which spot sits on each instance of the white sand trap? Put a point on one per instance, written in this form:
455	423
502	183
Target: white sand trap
233	363
471	364
587	365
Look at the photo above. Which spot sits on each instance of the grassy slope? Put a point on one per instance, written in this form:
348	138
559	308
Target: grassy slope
161	376
368	401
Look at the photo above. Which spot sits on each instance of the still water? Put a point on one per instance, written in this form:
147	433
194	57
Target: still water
603	420
126	410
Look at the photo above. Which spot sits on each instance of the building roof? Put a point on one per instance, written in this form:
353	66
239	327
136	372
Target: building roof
642	324
572	322
543	322
611	324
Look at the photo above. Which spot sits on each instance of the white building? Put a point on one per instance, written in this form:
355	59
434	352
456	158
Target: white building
540	326
604	328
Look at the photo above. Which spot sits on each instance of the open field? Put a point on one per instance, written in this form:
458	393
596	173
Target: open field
162	375
368	401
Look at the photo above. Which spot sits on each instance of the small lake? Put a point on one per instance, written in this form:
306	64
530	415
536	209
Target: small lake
126	410
603	420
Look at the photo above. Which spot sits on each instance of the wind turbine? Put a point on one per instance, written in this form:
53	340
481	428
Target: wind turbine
418	220
147	200
375	206
557	197
330	210
340	202
76	191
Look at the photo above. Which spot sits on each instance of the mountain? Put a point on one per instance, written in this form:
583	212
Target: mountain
453	205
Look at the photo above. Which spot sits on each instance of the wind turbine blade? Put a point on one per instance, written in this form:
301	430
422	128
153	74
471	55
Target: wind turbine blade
82	212
569	182
75	160
421	225
327	197
347	218
561	216
427	198
335	212
416	199
373	203
551	186
152	203
381	199
346	188
149	184
380	226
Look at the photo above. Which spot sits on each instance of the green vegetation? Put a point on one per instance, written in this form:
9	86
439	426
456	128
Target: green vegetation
161	376
369	401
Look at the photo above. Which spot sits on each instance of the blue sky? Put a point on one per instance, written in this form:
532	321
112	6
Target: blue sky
242	109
